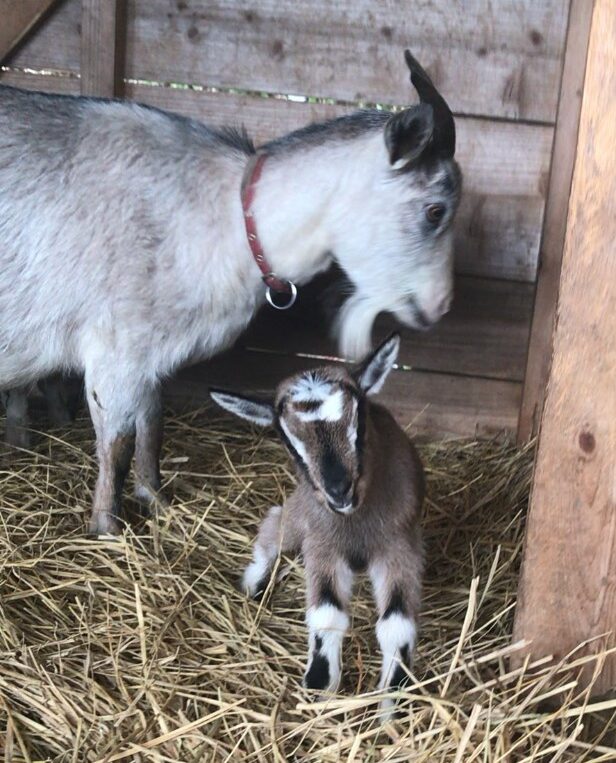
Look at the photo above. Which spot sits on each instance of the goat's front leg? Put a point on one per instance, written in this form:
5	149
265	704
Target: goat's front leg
149	441
397	590
17	431
328	590
112	404
275	536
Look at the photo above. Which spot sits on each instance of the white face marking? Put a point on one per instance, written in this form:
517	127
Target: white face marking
295	442
331	409
352	428
310	389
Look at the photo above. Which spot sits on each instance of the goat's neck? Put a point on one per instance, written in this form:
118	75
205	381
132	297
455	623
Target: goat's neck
297	205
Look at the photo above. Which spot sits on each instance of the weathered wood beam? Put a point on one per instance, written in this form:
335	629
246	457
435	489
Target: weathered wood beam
555	218
99	60
17	20
568	585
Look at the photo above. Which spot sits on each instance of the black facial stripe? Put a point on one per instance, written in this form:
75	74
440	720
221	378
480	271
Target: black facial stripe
333	471
318	643
396	603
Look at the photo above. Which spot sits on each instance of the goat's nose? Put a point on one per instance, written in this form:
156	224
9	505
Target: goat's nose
341	491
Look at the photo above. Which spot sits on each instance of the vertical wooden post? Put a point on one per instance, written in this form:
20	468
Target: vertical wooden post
555	220
568	584
99	71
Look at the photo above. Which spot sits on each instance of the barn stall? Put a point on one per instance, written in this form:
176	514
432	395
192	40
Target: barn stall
142	649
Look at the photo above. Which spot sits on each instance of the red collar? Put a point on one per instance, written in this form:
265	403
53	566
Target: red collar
270	279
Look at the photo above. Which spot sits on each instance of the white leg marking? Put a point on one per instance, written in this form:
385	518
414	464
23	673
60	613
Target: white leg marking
263	554
256	571
327	625
394	633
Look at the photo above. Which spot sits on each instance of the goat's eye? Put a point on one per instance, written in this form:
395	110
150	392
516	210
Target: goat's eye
435	213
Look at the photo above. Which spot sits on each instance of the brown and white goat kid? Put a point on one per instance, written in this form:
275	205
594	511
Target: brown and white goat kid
356	507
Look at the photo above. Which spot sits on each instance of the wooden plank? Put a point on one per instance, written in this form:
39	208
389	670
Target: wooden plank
494	59
18	19
563	158
485	334
505	169
568	586
430	404
42	82
56	44
98	48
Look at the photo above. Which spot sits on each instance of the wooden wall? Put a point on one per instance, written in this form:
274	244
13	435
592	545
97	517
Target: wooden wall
499	66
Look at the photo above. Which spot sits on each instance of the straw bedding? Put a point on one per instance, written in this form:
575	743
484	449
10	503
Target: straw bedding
142	649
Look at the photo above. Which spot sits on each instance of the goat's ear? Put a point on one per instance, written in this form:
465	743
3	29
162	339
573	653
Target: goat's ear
407	134
257	411
376	367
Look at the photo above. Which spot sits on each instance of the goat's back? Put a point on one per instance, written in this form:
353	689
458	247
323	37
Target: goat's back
108	223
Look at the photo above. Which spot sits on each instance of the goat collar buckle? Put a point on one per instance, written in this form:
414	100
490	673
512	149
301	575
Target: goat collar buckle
274	283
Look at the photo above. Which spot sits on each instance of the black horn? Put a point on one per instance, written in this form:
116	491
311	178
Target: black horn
444	135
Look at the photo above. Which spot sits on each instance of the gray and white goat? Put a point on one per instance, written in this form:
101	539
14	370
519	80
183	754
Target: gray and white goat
356	507
123	250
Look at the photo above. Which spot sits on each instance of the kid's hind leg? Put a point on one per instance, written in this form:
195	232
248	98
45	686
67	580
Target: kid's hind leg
274	537
397	596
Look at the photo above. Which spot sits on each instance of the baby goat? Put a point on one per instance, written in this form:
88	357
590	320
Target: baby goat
356	507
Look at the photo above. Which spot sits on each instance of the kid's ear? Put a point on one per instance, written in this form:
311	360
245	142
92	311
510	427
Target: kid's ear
376	367
257	411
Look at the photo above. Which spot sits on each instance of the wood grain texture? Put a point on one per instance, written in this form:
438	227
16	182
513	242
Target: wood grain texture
431	404
495	59
550	256
485	334
98	48
17	20
568	585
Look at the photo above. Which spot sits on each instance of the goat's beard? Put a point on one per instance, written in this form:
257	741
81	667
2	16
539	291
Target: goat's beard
353	326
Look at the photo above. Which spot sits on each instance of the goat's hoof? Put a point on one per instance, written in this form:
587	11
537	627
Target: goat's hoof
390	710
255	580
103	526
151	498
318	678
17	437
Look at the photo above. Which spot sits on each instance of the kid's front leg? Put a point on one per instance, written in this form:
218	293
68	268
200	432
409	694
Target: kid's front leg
397	600
329	584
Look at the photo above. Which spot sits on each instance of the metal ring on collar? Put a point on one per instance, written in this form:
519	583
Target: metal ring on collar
292	296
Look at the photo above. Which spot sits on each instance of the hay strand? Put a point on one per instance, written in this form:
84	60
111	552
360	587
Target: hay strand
141	648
